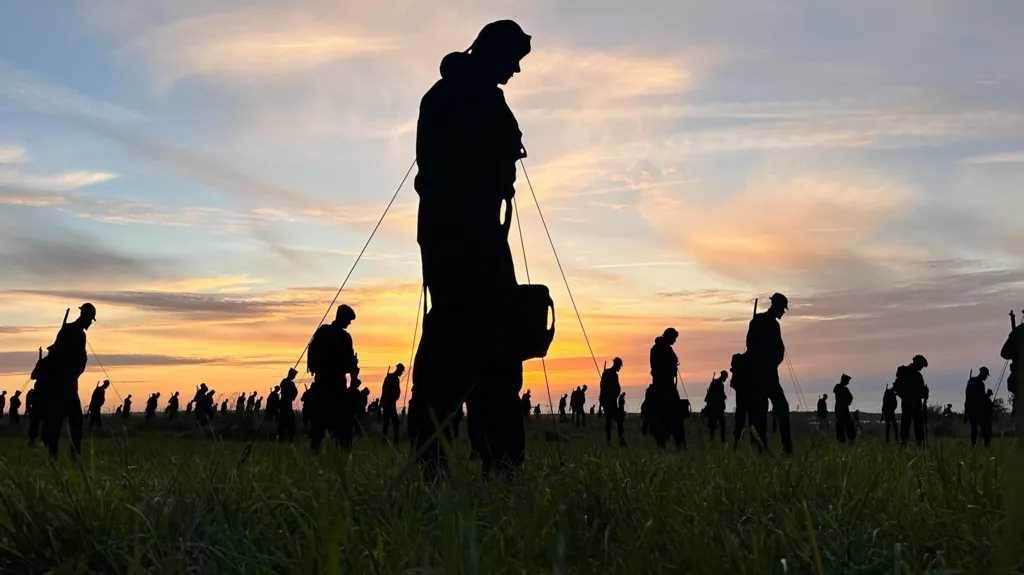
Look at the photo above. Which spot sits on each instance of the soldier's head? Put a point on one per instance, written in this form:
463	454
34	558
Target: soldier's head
86	315
17	393
780	304
983	373
292	372
919	362
736	362
617	363
344	316
106	383
498	48
845	380
399	369
584	388
723	375
670	335
157	394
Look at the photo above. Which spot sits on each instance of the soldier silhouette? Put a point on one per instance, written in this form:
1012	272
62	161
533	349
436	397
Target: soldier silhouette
765	352
126	407
889	404
608	397
714	406
151	405
286	412
172	406
3	401
224	407
272	403
913	393
240	404
562	403
977	409
1013	351
61	402
663	410
526	405
199	401
390	392
332	359
250	404
14	407
467	145
845	429
740	384
822	412
620	418
33	412
536	410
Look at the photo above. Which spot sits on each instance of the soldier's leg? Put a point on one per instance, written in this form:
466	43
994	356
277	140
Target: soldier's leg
840	428
620	421
781	408
919	425
986	430
608	417
974	431
739	420
74	415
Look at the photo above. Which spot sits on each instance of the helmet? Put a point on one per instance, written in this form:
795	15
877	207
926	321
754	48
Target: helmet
919	360
780	300
983	370
88	310
504	38
670	332
345	313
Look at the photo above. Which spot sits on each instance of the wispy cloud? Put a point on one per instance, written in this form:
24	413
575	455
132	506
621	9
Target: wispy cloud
22	361
1016	157
249	44
12	155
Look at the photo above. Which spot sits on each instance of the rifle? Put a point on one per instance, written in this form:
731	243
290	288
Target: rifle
1013	320
65	322
755	307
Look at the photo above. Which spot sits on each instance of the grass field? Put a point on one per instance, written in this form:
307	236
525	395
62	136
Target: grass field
168	498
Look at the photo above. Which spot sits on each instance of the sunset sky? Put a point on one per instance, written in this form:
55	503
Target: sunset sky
206	172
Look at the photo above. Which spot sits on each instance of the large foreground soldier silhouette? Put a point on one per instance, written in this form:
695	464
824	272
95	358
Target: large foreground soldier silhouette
1013	351
609	398
467	145
60	401
845	429
765	352
664	409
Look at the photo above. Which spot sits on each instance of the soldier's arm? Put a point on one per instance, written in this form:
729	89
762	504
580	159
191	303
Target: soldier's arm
1009	350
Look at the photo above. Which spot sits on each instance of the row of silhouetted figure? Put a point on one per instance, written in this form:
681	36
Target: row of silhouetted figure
342	408
469	149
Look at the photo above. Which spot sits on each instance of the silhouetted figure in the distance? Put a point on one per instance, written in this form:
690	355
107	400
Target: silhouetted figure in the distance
526	404
976	407
224	409
272	402
822	412
61	402
240	404
199	400
845	429
913	392
14	408
172	406
467	145
765	351
390	393
577	404
151	405
714	406
1013	351
331	360
126	407
119	408
536	410
258	407
250	404
608	396
889	404
35	416
286	411
947	411
663	411
562	404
